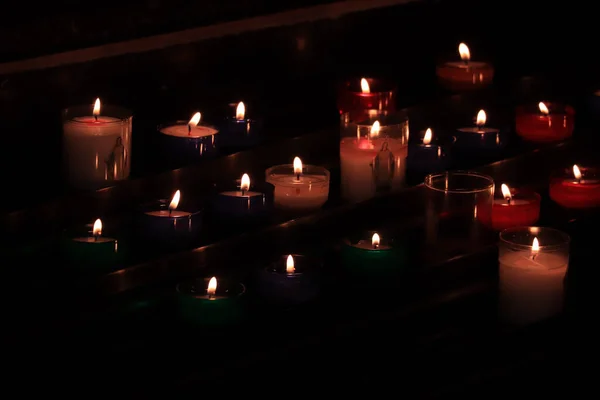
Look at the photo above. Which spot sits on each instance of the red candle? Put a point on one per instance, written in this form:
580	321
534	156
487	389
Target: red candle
465	74
515	208
366	94
577	188
548	122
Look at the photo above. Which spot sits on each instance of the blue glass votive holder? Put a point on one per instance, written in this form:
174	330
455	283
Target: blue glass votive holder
179	145
432	153
243	201
480	139
240	132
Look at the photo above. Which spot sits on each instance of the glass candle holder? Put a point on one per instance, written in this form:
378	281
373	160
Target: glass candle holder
289	280
182	143
512	207
199	304
96	145
454	200
239	131
243	201
362	94
91	247
576	187
373	155
545	122
533	263
465	74
480	138
430	153
299	187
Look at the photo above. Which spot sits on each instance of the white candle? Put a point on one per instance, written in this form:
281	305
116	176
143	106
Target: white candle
531	288
97	148
360	179
182	131
299	187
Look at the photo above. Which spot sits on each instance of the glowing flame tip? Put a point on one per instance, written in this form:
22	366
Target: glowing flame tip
211	290
543	108
289	265
364	86
97	107
297	166
97	229
505	192
175	200
576	172
376	128
195	120
481	118
535	246
375	240
245	182
240	111
428	136
465	53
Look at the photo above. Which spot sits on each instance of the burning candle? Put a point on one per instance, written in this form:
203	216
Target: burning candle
164	221
533	263
373	157
298	186
244	202
576	188
480	137
240	132
373	256
359	95
93	249
96	145
547	122
209	302
289	280
431	154
188	141
514	208
465	74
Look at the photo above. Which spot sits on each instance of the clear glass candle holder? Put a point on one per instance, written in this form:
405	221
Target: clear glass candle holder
373	155
533	263
453	201
299	192
96	149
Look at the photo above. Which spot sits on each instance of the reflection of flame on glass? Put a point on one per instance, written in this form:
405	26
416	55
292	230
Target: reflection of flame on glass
245	183
97	229
97	108
195	120
175	200
364	86
375	128
375	240
240	111
211	290
464	52
297	167
506	193
576	172
428	136
543	109
535	248
481	118
289	265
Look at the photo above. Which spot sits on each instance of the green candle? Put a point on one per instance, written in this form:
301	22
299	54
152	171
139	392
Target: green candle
373	257
209	302
92	250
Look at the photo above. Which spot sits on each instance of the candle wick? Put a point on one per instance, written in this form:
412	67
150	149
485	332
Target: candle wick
243	192
297	177
533	257
170	211
96	118
96	237
508	200
189	129
376	246
466	62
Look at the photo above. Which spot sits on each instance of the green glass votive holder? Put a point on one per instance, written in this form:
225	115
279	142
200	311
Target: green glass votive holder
373	256
211	301
89	248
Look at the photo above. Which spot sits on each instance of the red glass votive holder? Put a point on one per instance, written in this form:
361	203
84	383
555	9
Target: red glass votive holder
461	75
571	191
363	94
523	209
545	122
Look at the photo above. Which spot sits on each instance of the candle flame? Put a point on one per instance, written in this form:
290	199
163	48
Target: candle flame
465	53
576	172
375	240
97	229
481	118
175	201
543	109
505	192
240	111
364	86
195	120
428	136
211	290
245	184
535	247
297	166
289	265
375	128
97	107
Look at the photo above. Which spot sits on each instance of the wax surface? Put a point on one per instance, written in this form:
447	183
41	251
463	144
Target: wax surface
182	131
351	99
570	194
463	76
239	193
166	214
520	212
310	191
88	239
481	131
531	290
537	127
368	245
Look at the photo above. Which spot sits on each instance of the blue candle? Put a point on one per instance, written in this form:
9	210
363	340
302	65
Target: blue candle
289	281
431	154
480	138
240	132
183	142
163	222
244	202
209	302
92	249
